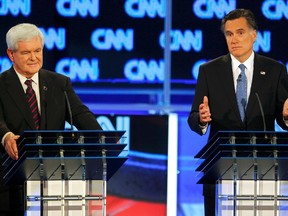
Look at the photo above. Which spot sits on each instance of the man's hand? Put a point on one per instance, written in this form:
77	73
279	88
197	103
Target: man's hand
285	110
204	112
10	145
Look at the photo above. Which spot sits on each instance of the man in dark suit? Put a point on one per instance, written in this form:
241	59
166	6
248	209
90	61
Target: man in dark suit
25	44
215	102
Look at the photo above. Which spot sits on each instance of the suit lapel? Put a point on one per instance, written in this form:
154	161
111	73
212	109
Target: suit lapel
46	94
17	93
43	88
256	84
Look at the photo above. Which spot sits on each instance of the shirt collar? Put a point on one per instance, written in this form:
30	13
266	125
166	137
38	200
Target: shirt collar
249	63
23	78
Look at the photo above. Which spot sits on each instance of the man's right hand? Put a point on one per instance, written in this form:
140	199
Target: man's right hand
10	145
204	112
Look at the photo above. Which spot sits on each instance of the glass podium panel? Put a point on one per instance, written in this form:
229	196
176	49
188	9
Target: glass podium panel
58	198
252	198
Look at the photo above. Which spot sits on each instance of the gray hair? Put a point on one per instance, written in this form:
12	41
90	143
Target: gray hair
22	32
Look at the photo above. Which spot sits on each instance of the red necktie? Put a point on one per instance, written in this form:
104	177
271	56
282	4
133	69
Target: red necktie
32	102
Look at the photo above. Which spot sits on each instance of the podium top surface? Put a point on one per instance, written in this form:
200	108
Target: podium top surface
244	155
69	155
69	136
260	139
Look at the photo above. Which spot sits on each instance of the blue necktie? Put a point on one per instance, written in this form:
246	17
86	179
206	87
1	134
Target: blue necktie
241	91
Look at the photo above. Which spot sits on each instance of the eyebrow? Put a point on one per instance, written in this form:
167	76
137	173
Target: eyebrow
237	30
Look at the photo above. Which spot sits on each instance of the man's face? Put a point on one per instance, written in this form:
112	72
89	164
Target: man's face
28	58
240	38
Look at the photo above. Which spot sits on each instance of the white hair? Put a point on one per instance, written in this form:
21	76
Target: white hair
22	32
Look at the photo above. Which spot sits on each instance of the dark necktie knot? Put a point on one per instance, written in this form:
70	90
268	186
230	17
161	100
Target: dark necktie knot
28	82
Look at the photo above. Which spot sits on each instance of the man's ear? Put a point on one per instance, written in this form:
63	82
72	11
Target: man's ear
10	54
255	35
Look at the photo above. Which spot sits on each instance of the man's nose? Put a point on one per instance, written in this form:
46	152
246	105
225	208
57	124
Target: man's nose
32	56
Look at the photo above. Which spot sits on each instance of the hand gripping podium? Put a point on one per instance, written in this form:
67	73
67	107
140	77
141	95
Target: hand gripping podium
65	172
250	170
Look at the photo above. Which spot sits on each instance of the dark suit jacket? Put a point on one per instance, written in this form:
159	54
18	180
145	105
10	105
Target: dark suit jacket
15	115
215	80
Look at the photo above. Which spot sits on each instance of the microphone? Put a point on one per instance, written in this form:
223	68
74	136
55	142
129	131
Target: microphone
262	113
239	78
243	103
44	105
70	112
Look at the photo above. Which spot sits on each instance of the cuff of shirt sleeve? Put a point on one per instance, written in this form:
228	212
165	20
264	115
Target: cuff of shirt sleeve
285	121
203	128
3	138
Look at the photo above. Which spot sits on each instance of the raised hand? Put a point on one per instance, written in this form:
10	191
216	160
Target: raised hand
204	112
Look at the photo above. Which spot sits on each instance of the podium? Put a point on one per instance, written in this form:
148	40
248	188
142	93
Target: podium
66	172
250	170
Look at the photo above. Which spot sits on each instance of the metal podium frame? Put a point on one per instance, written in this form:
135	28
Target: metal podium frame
247	167
57	159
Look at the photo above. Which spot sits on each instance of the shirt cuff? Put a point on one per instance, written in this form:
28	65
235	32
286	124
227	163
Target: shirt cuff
3	138
285	121
203	128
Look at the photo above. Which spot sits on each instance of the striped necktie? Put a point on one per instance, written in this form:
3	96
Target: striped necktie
241	91
32	102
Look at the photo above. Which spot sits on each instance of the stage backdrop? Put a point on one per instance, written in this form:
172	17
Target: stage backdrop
119	45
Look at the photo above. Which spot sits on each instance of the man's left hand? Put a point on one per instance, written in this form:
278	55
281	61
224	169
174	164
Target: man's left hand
285	110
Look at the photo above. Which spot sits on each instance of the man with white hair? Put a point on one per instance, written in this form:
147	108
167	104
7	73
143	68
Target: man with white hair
33	98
